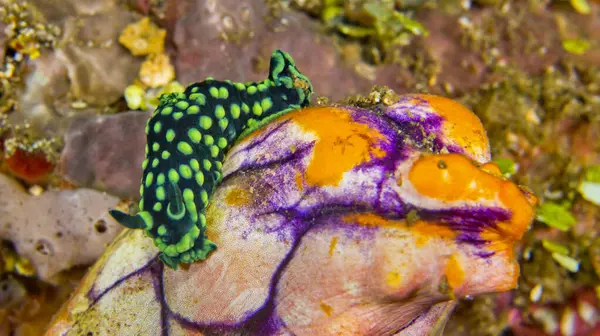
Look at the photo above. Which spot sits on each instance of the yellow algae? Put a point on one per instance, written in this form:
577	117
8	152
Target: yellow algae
332	245
238	197
157	70
454	272
460	124
143	38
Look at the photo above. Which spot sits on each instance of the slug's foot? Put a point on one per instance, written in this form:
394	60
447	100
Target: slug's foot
202	248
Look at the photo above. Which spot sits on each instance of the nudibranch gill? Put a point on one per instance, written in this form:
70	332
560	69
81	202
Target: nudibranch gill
187	139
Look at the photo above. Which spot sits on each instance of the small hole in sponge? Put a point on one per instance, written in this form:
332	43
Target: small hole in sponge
44	247
100	226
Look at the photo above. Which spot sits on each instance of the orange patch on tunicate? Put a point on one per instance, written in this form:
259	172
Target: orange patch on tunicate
326	308
453	177
492	168
460	124
393	279
425	230
332	245
370	219
238	197
299	181
454	272
341	145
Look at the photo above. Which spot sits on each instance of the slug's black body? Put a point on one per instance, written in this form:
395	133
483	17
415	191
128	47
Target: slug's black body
187	139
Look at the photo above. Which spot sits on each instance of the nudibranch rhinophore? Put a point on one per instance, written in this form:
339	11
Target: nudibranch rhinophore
187	139
330	220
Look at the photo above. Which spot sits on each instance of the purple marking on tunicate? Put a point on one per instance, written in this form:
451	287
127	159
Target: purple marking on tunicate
390	203
484	254
350	230
157	271
329	212
469	222
259	139
464	218
406	111
379	188
413	321
264	320
375	122
298	154
471	238
416	123
94	297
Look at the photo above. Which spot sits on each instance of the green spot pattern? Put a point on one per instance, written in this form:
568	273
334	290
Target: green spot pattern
190	133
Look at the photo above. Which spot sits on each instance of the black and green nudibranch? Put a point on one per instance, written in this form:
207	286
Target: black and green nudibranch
187	139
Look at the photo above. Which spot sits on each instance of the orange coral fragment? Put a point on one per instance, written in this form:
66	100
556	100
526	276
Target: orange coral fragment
30	166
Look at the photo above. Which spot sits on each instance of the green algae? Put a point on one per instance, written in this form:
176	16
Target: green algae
576	46
380	25
507	166
581	6
556	216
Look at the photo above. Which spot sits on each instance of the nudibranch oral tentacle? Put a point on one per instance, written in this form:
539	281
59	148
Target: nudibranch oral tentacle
187	139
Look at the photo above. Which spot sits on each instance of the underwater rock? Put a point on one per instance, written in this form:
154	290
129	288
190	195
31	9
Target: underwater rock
105	153
88	65
527	41
330	220
58	229
222	39
577	315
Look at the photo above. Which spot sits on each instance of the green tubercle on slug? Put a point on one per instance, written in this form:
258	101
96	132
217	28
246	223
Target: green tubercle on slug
198	127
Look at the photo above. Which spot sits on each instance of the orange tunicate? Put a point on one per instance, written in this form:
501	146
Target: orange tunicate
30	166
